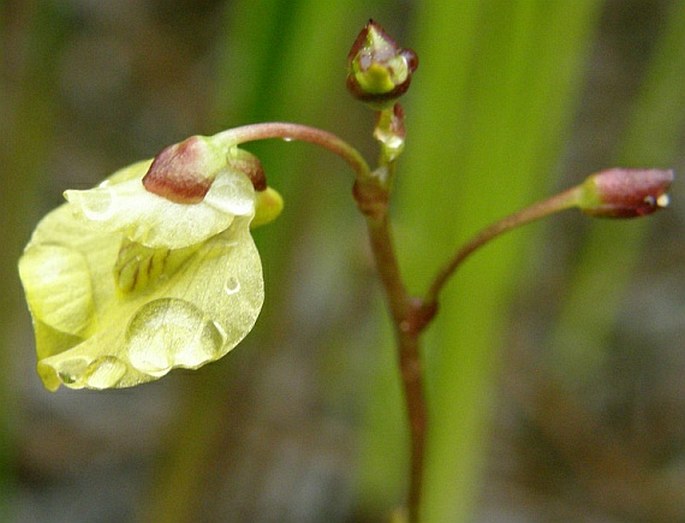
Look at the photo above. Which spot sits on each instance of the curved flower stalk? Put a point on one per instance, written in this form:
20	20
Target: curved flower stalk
153	269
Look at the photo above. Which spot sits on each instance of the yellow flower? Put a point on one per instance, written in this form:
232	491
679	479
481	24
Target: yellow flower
124	284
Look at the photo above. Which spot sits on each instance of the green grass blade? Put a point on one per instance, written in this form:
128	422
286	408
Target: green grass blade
611	250
490	107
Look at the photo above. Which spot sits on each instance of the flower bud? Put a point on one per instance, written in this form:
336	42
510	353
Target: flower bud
184	172
379	71
625	193
390	131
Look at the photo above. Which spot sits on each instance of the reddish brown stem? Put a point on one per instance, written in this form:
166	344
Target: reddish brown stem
407	324
371	192
291	131
409	316
538	210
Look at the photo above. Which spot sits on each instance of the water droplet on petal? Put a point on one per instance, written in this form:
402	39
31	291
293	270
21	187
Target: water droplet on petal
71	371
170	332
105	372
96	204
232	286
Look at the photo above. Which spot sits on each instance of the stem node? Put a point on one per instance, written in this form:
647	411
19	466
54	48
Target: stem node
371	196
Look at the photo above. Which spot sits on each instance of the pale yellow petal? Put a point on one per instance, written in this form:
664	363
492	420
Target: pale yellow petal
196	315
58	289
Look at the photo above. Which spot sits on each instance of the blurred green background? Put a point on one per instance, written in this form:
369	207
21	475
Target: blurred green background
555	366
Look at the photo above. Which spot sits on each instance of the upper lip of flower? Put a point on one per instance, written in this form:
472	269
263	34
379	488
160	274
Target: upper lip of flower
155	221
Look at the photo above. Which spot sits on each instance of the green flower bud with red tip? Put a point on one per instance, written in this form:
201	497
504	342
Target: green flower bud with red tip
625	193
379	71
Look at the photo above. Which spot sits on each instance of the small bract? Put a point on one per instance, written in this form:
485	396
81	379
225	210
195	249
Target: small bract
124	285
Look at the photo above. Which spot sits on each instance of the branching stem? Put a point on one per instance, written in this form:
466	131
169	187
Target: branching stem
410	315
556	203
371	191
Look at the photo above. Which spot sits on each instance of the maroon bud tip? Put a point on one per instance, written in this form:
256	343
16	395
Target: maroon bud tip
248	164
626	193
183	172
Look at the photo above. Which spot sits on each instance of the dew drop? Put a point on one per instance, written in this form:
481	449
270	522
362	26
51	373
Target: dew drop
99	205
232	286
105	372
71	371
170	332
288	139
663	200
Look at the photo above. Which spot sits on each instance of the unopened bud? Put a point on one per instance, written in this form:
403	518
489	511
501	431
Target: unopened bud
390	131
379	71
184	172
625	193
